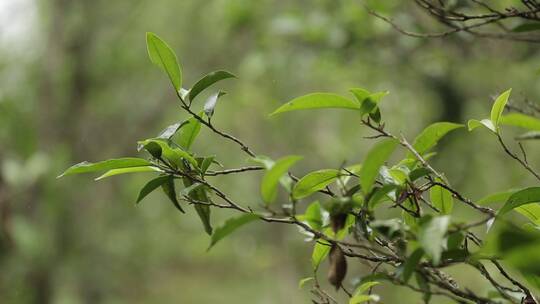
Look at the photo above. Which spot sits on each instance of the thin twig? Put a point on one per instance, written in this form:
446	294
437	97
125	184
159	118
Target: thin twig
514	156
232	171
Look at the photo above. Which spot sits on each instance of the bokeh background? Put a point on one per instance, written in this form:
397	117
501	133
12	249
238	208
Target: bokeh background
76	84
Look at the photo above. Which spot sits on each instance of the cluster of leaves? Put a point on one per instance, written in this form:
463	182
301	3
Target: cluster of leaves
343	223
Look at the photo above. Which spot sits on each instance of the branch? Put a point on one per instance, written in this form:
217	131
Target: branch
523	163
243	146
232	171
457	21
403	142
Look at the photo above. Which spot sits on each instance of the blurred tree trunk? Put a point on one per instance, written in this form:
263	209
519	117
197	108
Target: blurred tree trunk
65	79
6	240
63	94
452	101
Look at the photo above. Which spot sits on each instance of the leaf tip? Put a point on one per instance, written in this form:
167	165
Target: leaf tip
471	125
150	35
274	113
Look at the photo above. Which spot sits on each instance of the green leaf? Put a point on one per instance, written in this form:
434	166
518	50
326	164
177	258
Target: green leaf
431	135
207	81
398	175
431	236
410	264
164	57
189	132
341	234
151	186
313	216
190	188
373	161
364	287
203	212
159	148
318	101
511	238
456	255
205	163
423	284
527	27
360	94
116	163
380	194
169	131
129	170
498	108
271	178
522	197
230	226
376	115
183	93
211	102
313	182
360	299
370	104
441	199
169	189
386	178
354	169
498	197
264	161
390	229
534	280
530	211
455	240
320	252
519	248
303	282
406	216
198	192
473	124
521	120
418	173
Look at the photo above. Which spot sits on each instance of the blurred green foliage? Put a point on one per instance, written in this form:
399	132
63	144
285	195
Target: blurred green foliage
77	85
